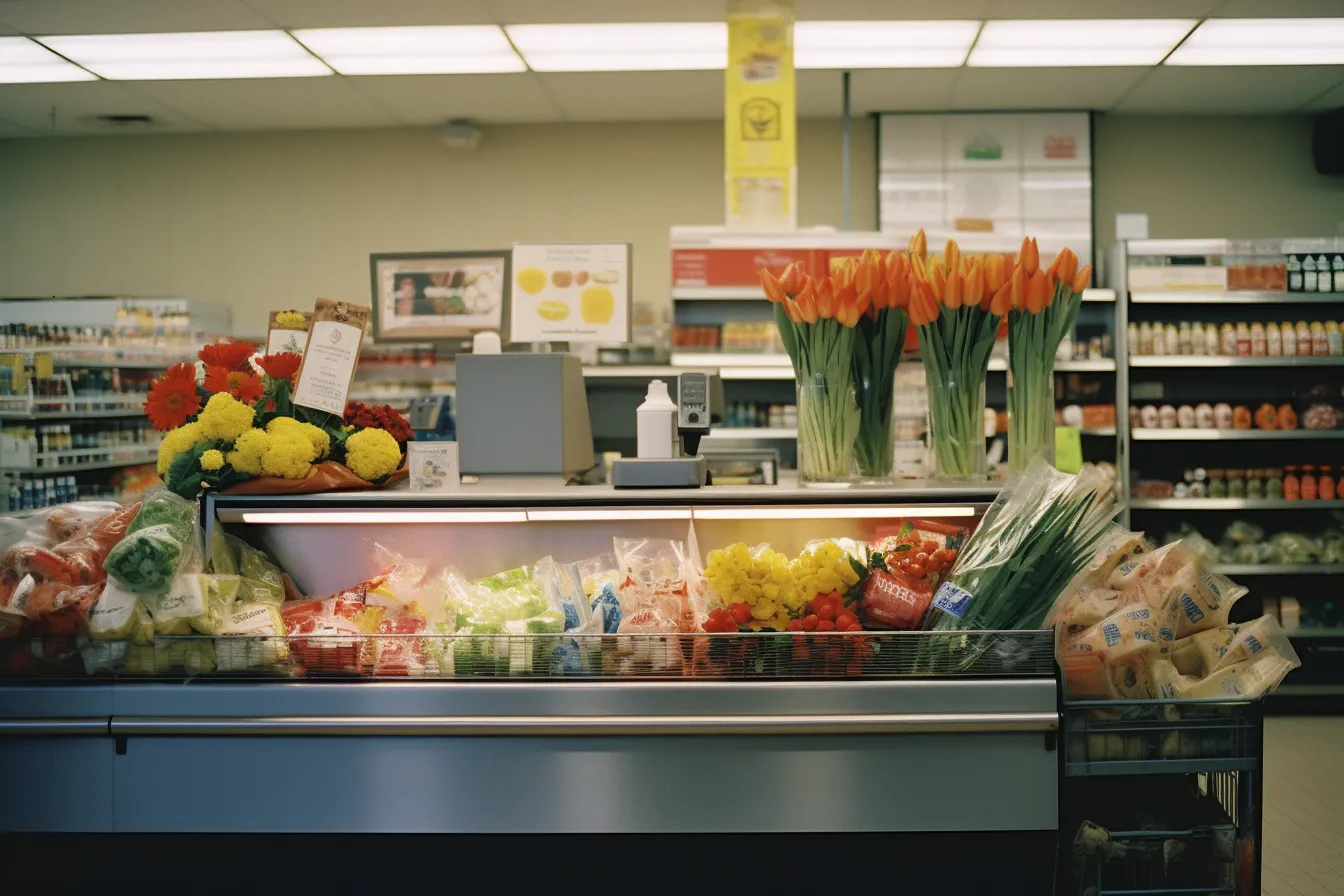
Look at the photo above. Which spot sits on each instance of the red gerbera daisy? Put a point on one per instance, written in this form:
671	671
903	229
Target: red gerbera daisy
246	387
280	366
229	355
173	398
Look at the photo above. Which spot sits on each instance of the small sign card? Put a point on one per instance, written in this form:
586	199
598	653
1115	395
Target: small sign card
433	466
329	360
570	293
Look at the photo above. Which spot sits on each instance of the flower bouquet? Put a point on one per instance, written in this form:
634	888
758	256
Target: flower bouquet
234	428
817	320
1044	307
957	303
877	351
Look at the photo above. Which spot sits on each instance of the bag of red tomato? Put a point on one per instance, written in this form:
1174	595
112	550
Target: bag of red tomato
913	561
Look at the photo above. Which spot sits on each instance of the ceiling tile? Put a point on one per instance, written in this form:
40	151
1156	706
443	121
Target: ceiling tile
518	12
433	99
32	106
1215	89
1292	9
270	104
1046	88
356	13
1331	99
636	96
1090	9
127	16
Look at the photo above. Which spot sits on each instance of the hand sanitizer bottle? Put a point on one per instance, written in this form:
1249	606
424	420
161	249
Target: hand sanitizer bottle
656	423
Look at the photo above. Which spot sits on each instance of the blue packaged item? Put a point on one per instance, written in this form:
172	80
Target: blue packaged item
608	606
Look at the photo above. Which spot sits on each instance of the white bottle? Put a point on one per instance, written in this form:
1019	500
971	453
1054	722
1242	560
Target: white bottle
656	423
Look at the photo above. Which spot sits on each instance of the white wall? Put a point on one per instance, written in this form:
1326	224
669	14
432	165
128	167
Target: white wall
263	221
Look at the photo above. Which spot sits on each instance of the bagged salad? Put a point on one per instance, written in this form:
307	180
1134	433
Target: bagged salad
160	543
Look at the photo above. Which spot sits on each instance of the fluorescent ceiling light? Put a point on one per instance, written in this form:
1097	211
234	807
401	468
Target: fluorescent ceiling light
843	512
430	50
296	517
24	62
847	45
1078	42
1263	42
650	46
195	55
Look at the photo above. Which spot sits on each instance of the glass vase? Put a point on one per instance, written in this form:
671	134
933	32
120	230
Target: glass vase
1031	416
874	451
957	427
828	426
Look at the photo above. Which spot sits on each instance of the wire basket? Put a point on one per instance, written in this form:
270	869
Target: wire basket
1192	843
734	656
1161	736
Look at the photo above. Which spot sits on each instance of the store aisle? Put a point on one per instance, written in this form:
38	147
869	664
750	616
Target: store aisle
1304	807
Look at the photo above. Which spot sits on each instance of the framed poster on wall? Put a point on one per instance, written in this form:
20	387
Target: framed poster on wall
570	292
422	296
988	179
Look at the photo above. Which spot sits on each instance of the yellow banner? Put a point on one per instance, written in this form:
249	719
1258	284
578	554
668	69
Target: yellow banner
760	116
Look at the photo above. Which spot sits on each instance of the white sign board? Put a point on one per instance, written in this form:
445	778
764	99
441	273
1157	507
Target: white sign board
433	466
570	293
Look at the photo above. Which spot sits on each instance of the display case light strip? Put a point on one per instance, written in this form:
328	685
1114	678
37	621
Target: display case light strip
606	514
844	511
380	516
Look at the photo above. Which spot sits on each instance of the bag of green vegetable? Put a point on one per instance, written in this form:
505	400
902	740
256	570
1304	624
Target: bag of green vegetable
159	544
1042	531
252	638
262	581
120	615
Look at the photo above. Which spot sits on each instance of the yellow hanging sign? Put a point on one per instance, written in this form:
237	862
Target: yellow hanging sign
760	117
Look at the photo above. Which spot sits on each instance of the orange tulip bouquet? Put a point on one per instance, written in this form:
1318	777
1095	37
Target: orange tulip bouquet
1044	305
817	321
957	303
877	351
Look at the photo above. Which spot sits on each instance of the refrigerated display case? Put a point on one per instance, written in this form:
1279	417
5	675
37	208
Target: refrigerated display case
939	734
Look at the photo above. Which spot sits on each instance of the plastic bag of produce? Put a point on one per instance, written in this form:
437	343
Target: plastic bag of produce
653	587
58	608
597	572
336	630
892	600
160	543
85	553
261	580
120	615
1244	532
1292	548
252	638
1043	529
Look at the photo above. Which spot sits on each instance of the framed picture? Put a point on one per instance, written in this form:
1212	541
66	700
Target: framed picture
566	292
421	296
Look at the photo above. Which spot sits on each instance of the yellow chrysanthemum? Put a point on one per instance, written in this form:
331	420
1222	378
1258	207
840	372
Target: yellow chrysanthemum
176	441
372	453
291	455
225	417
247	451
317	435
290	320
212	459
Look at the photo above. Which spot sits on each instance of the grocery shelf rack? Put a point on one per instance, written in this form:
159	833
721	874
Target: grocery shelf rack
1176	379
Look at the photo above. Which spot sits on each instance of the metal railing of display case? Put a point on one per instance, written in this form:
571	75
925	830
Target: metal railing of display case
722	656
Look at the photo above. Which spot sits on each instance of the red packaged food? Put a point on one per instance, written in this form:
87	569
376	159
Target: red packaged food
399	655
84	554
892	600
58	608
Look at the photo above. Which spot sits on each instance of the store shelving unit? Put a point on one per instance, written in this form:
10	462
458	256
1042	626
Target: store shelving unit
1235	435
1190	379
118	344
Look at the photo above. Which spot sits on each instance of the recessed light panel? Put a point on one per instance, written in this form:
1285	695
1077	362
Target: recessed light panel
652	46
849	45
431	50
1263	42
24	62
1078	42
193	55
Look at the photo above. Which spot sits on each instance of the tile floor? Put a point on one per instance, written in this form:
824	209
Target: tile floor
1304	806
